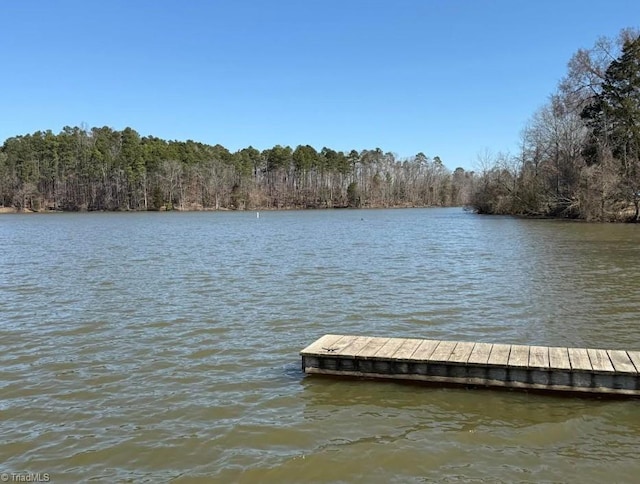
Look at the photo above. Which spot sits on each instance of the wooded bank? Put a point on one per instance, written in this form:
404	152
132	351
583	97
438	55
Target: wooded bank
579	158
82	169
580	152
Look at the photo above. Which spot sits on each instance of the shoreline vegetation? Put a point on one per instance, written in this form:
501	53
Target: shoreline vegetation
579	159
102	169
14	210
579	154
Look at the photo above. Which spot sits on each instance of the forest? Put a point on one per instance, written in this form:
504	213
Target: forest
81	169
579	154
578	158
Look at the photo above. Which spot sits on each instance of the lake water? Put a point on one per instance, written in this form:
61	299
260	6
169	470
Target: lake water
163	347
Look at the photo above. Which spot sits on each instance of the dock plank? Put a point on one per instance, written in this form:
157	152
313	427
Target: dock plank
407	348
353	347
326	344
480	354
621	361
519	356
634	356
426	348
559	358
389	348
538	357
443	351
600	360
461	352
579	359
372	347
499	355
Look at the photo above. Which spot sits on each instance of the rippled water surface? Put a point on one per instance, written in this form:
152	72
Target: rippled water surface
163	347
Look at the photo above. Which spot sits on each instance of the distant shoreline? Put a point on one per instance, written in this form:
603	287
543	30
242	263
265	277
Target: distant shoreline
13	210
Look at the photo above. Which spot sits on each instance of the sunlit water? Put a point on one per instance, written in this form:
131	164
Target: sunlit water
163	347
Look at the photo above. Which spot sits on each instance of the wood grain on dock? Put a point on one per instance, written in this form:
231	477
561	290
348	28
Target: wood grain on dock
588	370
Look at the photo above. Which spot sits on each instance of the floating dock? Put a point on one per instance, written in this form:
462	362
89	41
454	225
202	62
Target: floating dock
539	368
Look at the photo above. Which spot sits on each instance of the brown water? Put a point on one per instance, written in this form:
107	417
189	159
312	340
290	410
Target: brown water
164	347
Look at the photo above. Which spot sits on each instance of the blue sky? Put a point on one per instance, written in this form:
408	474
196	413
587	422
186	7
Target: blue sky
449	78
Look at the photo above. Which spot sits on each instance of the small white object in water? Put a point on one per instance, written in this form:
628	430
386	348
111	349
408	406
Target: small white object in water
257	214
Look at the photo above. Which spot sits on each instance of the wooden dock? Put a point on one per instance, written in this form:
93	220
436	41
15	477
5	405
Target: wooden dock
539	368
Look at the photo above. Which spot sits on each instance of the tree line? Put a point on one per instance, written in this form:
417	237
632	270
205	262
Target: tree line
580	152
82	169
